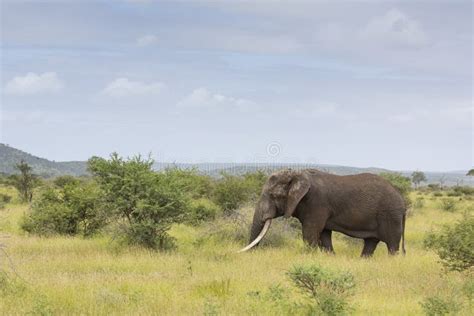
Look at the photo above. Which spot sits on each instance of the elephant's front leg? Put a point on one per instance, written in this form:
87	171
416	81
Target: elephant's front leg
325	241
314	237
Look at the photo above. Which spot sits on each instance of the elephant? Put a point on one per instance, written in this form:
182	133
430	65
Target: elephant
364	206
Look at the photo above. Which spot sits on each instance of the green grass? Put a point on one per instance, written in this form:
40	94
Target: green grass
62	275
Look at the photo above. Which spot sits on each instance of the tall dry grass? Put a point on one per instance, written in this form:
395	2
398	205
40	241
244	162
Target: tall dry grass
205	276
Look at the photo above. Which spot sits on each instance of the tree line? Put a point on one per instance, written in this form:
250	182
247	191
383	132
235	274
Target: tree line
141	203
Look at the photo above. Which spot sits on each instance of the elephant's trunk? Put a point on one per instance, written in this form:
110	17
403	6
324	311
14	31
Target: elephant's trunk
259	218
259	237
261	222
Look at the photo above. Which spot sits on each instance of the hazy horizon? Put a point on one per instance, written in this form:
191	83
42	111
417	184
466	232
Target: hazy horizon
252	163
383	85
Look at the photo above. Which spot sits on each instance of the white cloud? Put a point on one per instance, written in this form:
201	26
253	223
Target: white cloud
203	98
394	28
146	40
123	87
33	83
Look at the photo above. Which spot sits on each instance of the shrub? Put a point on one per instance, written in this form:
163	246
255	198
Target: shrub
202	210
434	187
86	201
254	182
62	181
453	193
230	193
195	185
401	183
437	306
328	290
75	209
148	202
5	198
437	194
50	215
466	190
448	205
454	244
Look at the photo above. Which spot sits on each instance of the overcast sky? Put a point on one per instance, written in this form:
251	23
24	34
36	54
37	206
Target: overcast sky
386	84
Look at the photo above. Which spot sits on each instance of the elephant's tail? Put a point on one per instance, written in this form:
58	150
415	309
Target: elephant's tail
403	233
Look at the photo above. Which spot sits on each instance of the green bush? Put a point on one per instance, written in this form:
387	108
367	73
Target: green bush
230	193
437	194
327	290
434	187
62	181
75	209
453	193
437	306
254	182
195	185
401	183
466	190
86	201
454	244
448	205
50	215
5	198
148	202
202	210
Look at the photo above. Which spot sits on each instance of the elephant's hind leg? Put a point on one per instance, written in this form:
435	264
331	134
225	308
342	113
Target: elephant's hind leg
325	241
393	247
369	247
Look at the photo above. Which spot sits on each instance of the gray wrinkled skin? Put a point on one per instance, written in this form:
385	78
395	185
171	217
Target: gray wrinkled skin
363	206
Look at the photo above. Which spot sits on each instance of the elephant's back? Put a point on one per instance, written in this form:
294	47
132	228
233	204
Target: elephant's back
365	190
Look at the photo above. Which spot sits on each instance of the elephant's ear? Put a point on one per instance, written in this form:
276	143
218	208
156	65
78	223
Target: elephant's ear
299	186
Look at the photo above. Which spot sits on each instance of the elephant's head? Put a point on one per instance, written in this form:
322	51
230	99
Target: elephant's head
280	196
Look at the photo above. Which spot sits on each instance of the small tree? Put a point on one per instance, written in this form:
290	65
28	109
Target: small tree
231	192
400	182
454	244
417	177
470	172
328	290
148	202
76	208
25	182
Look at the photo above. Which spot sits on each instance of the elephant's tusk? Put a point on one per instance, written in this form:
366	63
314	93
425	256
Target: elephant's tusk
259	237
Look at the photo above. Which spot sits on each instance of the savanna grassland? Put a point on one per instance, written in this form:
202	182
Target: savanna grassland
205	275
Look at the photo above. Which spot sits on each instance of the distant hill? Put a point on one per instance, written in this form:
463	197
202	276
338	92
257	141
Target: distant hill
10	156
